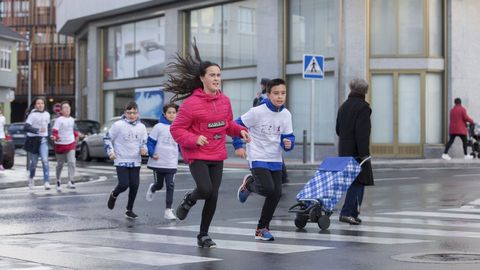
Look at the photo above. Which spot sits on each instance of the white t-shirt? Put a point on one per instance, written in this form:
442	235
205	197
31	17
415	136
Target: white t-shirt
166	148
265	128
39	120
65	127
2	127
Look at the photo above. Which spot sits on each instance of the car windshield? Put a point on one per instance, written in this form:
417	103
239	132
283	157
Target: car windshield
14	127
87	126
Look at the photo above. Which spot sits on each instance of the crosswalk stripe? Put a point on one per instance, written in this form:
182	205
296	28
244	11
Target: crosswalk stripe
302	235
190	241
392	230
434	214
468	209
110	253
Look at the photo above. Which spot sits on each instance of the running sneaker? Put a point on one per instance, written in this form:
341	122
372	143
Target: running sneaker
205	242
169	214
111	201
263	234
243	192
71	185
130	214
149	195
47	185
446	157
31	183
59	186
184	207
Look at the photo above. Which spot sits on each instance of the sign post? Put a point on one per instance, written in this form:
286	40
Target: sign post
313	69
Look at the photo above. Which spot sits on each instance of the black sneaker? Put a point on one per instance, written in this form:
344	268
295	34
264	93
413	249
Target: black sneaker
111	201
184	207
205	242
130	214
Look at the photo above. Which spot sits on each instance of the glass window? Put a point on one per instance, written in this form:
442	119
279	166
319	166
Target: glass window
5	57
382	108
433	108
115	102
150	42
241	94
409	108
43	3
298	94
225	34
397	27
313	27
135	49
436	27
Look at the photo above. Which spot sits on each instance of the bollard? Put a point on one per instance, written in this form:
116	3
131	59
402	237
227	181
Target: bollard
304	146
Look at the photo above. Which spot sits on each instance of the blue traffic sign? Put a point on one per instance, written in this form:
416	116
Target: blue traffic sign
313	67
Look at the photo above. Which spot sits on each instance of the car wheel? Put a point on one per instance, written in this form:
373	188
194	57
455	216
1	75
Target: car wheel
85	153
8	162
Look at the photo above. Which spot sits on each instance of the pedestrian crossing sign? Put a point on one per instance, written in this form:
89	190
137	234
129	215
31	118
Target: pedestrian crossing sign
313	66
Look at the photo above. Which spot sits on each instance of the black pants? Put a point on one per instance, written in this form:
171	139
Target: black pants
128	177
208	177
452	138
268	184
161	177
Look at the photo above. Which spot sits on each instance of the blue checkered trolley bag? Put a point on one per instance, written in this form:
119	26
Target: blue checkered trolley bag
317	199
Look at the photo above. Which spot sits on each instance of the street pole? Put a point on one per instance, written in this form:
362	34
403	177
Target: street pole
312	123
29	48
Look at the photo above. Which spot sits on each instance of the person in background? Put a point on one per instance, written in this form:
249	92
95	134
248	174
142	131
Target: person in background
64	137
2	137
262	95
458	128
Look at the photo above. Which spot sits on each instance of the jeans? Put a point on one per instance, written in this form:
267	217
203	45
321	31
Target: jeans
353	200
168	178
32	162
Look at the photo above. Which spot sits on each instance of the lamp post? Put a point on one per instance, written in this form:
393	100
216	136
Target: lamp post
29	50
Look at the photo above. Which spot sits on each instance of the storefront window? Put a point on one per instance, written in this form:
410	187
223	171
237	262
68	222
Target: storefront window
115	102
433	108
225	34
313	28
241	94
382	108
135	50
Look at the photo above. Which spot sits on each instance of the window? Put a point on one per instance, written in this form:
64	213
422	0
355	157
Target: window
241	94
43	3
5	57
225	34
398	27
433	108
313	27
298	95
382	109
135	50
115	102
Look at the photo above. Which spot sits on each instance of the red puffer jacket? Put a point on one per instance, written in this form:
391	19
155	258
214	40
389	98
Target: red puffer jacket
458	120
210	116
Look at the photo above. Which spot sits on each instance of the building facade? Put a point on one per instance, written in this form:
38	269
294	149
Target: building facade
418	55
52	55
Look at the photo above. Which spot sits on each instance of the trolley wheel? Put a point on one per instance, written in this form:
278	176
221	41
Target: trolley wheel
301	221
324	222
315	213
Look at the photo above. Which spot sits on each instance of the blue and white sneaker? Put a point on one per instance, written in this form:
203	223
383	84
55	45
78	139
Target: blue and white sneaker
243	192
263	234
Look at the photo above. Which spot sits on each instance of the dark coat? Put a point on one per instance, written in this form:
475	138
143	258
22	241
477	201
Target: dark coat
353	129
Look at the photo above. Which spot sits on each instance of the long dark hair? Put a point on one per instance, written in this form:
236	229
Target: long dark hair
184	74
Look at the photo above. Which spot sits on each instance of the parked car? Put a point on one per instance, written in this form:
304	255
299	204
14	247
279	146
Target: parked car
92	145
8	151
17	134
84	127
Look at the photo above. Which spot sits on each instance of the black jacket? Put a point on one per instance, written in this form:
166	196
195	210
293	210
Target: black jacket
353	129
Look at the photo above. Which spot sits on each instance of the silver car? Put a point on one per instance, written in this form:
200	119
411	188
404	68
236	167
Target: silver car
92	145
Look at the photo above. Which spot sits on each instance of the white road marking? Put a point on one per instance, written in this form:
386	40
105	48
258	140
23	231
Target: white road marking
434	214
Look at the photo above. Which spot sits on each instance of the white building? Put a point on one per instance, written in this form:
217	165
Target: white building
418	55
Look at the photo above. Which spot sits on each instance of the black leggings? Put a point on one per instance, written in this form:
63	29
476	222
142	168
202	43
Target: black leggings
208	177
128	177
160	177
268	184
450	142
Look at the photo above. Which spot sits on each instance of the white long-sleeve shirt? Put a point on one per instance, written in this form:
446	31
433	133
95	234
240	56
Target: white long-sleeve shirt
40	121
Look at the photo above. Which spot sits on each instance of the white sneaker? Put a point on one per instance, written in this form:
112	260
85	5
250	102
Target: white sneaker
71	185
446	157
47	185
468	157
169	214
149	195
59	186
31	183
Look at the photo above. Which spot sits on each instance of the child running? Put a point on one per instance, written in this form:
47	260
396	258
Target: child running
64	136
163	152
203	120
125	144
270	127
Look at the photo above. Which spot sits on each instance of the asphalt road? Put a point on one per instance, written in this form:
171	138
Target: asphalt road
408	211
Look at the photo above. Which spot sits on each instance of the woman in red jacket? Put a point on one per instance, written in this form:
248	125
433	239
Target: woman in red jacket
458	120
204	118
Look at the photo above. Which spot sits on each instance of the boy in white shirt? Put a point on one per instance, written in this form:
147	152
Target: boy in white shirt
270	127
64	136
163	152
